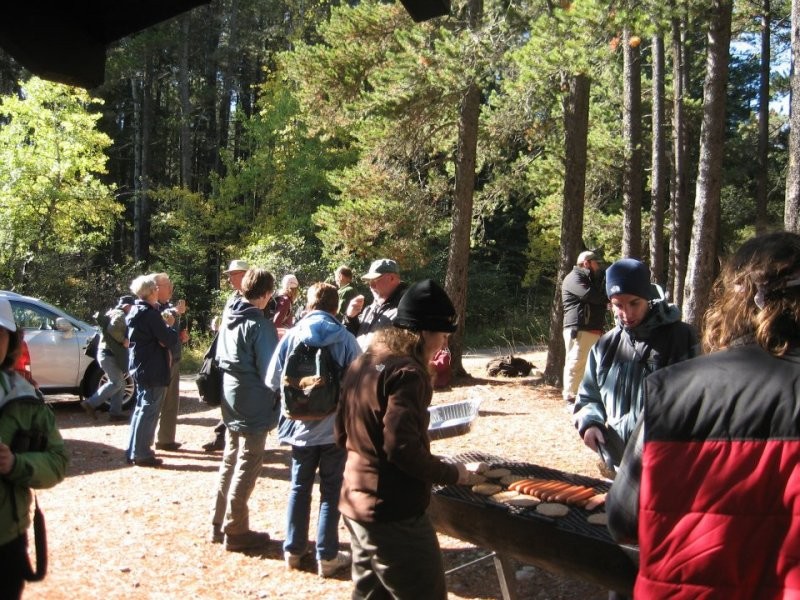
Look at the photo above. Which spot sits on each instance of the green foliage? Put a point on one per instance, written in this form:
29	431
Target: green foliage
54	207
382	213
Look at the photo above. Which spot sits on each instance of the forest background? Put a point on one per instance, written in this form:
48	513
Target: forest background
484	149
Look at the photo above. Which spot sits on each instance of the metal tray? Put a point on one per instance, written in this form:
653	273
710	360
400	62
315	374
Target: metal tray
455	418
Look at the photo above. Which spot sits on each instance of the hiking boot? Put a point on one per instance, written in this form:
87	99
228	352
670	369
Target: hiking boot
249	540
217	536
90	410
169	446
328	568
217	444
292	560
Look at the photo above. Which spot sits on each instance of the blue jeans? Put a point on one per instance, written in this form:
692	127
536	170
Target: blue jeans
144	421
114	389
330	460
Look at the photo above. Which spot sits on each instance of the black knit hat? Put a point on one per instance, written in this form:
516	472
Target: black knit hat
426	307
629	276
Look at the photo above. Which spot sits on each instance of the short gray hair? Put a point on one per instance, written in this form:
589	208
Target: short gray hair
143	286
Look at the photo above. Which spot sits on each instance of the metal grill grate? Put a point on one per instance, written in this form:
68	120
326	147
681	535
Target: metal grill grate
574	522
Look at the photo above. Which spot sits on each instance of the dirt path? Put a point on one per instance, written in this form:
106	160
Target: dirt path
122	532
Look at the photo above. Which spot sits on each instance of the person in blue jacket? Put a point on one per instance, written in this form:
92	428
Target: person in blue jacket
149	363
313	442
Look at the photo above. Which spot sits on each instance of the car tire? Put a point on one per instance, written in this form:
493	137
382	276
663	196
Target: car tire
95	377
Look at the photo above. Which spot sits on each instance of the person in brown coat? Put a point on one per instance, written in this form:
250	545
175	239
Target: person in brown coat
382	421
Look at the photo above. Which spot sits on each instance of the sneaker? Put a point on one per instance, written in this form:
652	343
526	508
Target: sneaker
90	410
292	560
328	568
150	461
217	537
249	540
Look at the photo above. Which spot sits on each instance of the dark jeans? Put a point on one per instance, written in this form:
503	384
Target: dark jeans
400	560
14	566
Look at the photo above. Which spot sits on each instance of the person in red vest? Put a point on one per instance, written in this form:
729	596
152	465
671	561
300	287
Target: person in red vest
709	485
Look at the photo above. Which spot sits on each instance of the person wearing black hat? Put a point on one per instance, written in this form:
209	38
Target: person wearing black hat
648	336
112	354
382	421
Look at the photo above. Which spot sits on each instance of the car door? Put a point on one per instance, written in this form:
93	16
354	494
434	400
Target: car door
55	353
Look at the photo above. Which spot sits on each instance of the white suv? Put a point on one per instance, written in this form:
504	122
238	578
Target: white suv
57	344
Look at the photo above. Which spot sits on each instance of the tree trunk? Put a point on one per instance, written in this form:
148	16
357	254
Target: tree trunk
576	133
632	135
705	231
658	188
679	200
186	106
791	214
458	251
138	217
763	124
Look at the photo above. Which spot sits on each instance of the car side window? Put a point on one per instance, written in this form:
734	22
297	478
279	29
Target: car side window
33	317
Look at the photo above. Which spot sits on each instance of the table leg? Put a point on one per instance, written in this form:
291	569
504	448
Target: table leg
505	576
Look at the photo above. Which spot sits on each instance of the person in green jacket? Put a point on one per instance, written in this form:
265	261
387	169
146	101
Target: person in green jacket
32	455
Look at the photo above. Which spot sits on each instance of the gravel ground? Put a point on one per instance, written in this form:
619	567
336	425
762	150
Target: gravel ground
129	532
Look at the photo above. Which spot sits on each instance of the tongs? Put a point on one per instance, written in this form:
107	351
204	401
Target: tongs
608	468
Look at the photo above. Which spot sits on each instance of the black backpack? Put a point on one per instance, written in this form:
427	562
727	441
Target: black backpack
209	378
310	383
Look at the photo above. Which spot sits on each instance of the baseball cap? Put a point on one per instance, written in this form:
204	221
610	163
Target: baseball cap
237	265
125	301
380	267
7	315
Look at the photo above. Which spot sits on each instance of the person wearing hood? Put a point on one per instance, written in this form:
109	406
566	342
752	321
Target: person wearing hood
313	442
149	363
648	336
246	342
32	455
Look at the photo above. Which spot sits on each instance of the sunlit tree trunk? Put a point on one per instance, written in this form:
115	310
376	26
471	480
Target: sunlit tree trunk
458	252
659	172
576	132
632	136
791	214
679	200
705	230
763	123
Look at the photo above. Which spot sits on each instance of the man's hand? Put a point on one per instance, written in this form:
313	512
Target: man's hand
7	459
592	437
355	307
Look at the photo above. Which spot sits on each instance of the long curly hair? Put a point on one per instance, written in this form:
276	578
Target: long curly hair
403	342
757	296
